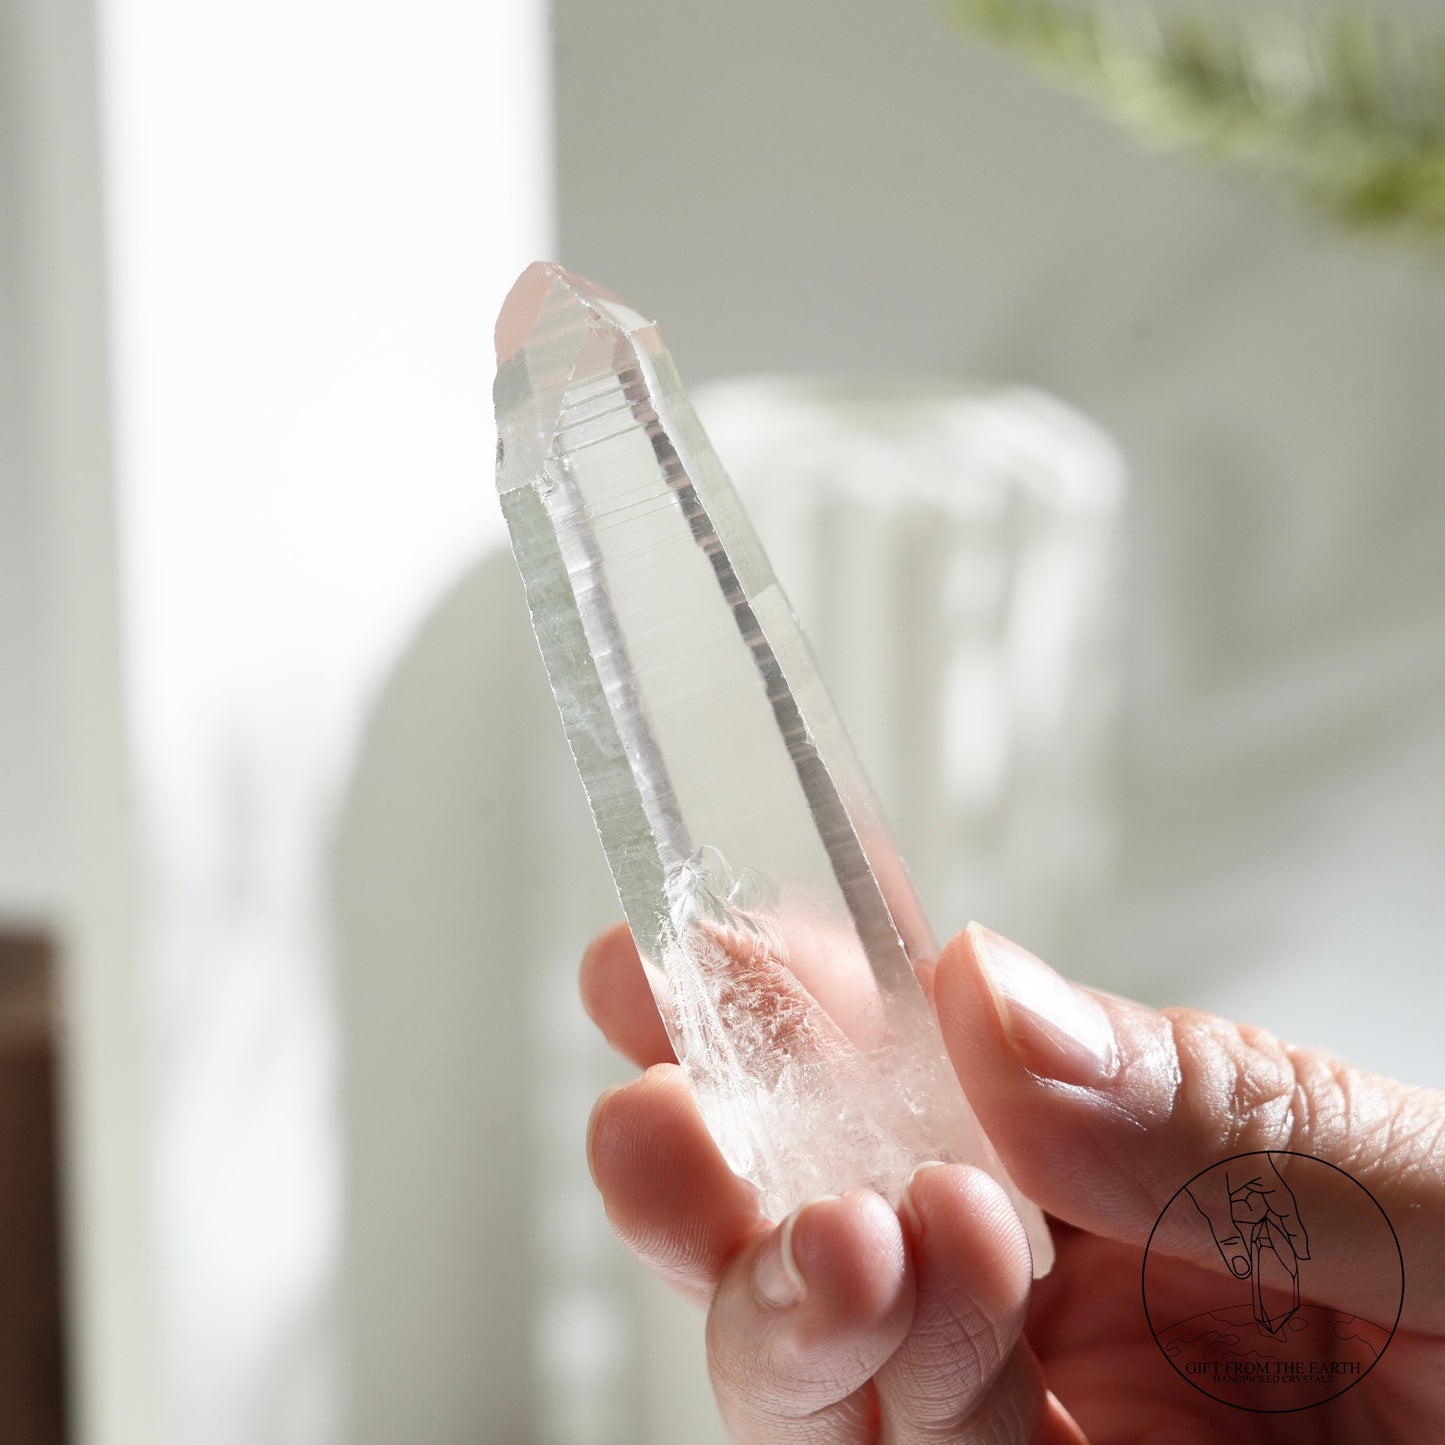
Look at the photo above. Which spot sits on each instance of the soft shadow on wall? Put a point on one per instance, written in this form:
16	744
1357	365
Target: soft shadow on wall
469	1067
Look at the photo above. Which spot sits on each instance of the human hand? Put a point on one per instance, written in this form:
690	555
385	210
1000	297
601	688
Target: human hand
850	1323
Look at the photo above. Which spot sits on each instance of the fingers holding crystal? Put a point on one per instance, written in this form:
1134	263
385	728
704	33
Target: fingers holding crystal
618	999
1103	1110
972	1277
803	1319
669	1195
814	1332
848	1324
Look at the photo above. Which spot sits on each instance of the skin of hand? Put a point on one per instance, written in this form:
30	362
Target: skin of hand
851	1323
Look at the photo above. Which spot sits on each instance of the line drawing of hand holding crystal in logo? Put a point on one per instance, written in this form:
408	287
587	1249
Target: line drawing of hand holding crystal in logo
1255	1221
1321	1304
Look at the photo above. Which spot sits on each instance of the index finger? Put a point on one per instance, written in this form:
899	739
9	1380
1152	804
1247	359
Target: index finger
619	1000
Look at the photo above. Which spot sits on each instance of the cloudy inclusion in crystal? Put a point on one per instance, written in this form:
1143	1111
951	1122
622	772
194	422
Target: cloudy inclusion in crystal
774	918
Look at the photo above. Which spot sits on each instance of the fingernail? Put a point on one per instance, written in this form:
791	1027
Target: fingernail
1240	1265
906	1206
776	1276
1057	1030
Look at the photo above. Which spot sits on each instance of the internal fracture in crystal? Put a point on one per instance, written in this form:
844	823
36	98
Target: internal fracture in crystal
773	915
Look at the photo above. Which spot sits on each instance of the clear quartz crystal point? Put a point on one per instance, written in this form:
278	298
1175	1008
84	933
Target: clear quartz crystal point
774	917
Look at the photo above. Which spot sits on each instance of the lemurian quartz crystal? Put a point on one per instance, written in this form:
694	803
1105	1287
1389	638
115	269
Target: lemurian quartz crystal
775	920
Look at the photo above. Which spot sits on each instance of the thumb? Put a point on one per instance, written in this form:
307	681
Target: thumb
1101	1108
1215	1205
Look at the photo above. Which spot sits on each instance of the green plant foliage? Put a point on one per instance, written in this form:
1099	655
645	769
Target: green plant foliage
1347	109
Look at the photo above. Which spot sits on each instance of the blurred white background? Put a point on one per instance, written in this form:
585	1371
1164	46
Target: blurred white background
277	761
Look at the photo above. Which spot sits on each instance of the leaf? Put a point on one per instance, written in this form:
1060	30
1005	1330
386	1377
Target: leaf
1346	109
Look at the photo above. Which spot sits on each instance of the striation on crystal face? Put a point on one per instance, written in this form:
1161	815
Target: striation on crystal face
775	919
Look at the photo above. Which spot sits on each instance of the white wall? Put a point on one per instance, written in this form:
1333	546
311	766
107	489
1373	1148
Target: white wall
247	469
314	211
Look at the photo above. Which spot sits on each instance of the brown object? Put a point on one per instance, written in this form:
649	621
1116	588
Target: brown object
32	1375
